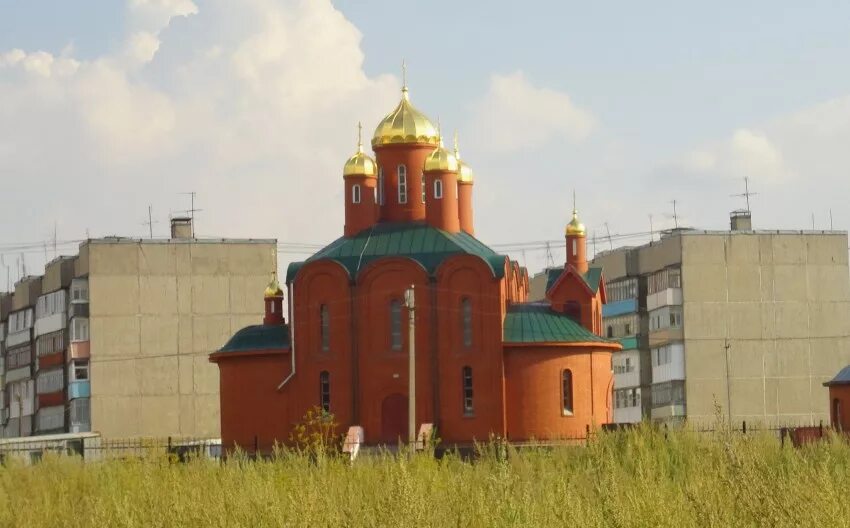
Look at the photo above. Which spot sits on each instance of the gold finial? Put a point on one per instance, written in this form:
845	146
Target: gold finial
439	131
575	227
404	91
359	137
273	289
575	211
457	152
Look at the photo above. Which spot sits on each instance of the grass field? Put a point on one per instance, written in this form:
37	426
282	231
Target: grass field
628	478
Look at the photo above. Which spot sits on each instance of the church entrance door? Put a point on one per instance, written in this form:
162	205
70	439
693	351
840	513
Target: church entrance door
393	419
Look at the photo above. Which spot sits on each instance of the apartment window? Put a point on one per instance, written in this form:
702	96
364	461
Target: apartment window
466	321
80	329
79	290
80	411
324	328
610	331
19	357
567	392
80	371
438	189
325	390
51	381
402	184
355	193
395	324
380	186
666	278
467	391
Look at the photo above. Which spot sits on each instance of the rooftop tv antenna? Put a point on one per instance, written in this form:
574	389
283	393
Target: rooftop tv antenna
675	215
746	194
610	243
151	221
191	211
651	229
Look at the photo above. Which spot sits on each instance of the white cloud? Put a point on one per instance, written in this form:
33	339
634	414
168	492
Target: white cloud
251	104
515	115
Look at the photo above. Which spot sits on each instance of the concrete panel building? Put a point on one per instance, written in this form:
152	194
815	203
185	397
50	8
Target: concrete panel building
753	321
118	336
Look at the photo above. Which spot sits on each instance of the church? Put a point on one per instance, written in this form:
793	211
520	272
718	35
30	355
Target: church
487	362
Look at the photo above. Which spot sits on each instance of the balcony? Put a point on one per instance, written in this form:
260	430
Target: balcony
79	389
79	350
78	309
667	297
628	414
18	374
51	399
615	308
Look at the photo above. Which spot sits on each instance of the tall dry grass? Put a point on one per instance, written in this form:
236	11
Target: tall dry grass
627	478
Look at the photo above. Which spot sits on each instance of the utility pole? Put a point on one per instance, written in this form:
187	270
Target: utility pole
411	398
727	346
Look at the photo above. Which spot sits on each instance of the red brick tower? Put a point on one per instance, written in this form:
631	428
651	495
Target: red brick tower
465	180
360	175
576	243
273	299
441	172
402	141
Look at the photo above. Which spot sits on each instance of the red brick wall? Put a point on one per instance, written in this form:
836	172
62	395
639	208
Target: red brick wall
841	393
533	381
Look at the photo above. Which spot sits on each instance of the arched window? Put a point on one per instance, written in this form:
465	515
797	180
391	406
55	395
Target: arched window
466	321
355	193
438	189
423	187
467	390
567	392
380	186
402	184
324	323
395	324
325	390
575	247
610	331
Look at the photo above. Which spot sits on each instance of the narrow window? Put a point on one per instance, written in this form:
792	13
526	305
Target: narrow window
575	247
567	392
438	189
325	390
610	331
355	193
380	186
395	325
402	184
324	322
466	321
423	187
467	391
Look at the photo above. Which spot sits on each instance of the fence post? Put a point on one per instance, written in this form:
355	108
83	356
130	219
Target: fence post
820	429
782	432
744	427
587	433
169	445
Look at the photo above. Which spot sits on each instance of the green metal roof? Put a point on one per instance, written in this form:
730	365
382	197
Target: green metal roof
538	323
425	244
258	337
592	278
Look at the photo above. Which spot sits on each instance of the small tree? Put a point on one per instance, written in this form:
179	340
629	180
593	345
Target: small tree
316	434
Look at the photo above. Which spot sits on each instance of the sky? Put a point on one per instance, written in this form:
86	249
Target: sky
107	108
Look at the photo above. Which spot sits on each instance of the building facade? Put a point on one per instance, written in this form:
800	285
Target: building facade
487	362
115	339
751	321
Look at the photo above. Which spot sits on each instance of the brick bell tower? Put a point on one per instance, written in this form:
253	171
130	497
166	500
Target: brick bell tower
273	299
402	142
441	172
360	176
576	236
465	179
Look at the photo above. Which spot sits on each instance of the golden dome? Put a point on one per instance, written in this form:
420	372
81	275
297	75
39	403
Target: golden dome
441	160
359	164
465	174
405	124
273	289
575	227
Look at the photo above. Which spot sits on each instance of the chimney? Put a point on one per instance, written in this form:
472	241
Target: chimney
181	227
741	220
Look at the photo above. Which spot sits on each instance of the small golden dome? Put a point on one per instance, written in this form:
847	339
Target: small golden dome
360	164
273	289
441	160
404	125
465	174
575	227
